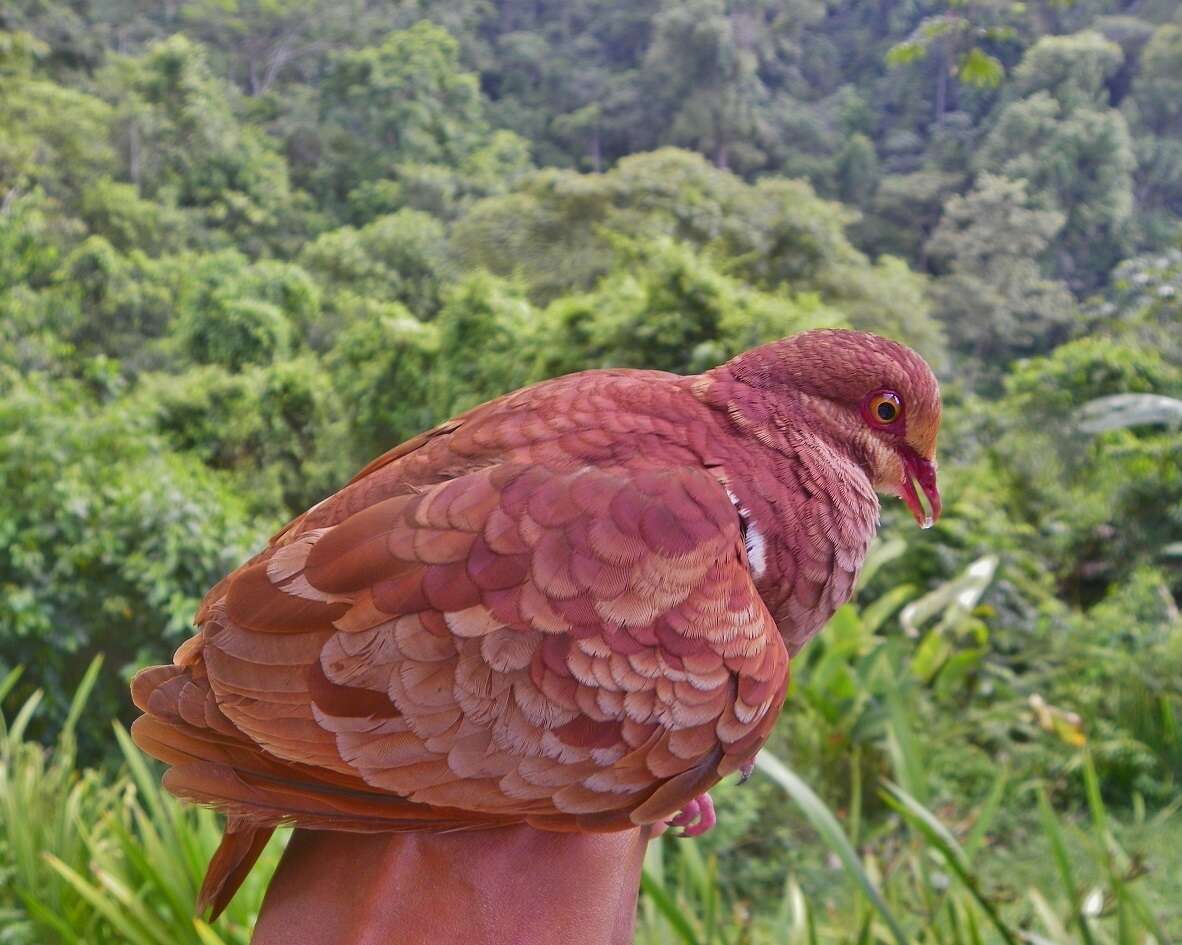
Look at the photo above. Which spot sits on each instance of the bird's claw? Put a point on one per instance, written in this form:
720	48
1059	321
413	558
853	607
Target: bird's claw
696	817
745	771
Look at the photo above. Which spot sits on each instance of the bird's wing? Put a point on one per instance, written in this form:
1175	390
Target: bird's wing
579	648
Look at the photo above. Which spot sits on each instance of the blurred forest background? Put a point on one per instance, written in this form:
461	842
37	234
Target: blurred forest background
245	245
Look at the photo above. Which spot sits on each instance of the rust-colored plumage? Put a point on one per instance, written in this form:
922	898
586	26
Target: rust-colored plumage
572	607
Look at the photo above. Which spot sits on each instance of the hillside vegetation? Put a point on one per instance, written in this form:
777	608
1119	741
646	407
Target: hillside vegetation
245	246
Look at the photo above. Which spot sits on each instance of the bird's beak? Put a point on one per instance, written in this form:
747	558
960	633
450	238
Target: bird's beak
917	470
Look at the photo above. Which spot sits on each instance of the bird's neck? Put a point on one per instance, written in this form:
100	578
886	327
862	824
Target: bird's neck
796	483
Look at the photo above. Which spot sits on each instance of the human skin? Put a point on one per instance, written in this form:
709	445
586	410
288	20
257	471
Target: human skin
503	886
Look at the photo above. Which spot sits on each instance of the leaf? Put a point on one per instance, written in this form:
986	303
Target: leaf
24	716
206	934
1062	858
986	813
668	908
953	598
876	613
1120	411
117	916
880	553
978	68
904	748
930	656
81	694
904	53
9	681
945	844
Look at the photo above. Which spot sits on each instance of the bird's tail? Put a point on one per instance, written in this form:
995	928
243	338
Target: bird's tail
242	842
213	764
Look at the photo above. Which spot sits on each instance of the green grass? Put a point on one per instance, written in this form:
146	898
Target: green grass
921	881
90	857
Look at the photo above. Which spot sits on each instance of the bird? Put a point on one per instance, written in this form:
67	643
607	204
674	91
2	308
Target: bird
572	607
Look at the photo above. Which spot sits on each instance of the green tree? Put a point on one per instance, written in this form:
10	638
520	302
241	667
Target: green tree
857	170
704	64
666	306
54	137
381	369
1074	70
110	541
558	231
904	211
35	235
993	297
115	211
1155	112
956	40
406	113
181	144
718	80
1105	504
1075	153
237	313
276	428
489	344
400	256
264	39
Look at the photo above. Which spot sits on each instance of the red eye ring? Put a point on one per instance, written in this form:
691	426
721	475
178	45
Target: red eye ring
883	408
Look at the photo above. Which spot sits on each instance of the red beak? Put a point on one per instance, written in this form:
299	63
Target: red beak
916	469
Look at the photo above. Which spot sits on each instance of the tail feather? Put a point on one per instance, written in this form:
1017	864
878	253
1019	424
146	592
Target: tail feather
241	845
261	800
214	764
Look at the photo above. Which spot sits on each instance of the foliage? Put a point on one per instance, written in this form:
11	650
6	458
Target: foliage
403	113
669	307
1074	151
921	875
247	246
90	857
994	297
110	858
109	540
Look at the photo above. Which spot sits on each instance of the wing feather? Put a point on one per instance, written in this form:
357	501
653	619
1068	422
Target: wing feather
580	646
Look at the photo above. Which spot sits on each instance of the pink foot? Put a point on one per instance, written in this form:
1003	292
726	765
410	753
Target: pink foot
696	817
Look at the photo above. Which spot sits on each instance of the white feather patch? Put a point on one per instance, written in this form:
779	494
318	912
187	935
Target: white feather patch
756	548
756	545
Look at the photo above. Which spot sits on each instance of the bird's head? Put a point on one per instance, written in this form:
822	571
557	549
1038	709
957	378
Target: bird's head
873	397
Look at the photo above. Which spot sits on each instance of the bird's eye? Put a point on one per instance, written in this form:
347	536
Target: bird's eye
884	408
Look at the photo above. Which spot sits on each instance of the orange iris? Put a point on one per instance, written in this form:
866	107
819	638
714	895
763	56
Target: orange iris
885	408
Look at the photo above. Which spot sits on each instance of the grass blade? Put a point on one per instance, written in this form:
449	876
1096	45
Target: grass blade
825	823
81	695
669	909
937	836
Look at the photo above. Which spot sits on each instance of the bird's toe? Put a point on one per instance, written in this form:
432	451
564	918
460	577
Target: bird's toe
696	817
688	814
